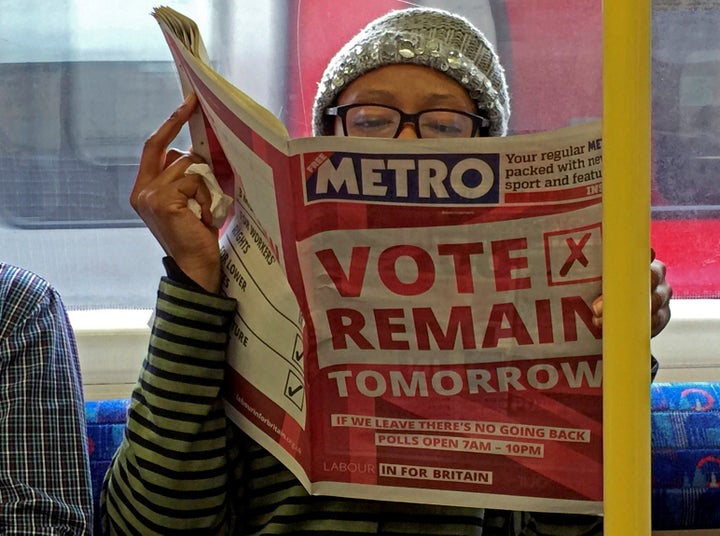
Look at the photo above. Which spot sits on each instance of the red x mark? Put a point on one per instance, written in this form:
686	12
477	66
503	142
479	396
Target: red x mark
576	253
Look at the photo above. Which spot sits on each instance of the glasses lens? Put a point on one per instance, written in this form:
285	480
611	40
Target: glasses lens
445	124
372	121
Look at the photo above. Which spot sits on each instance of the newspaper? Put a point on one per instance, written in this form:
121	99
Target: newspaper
414	318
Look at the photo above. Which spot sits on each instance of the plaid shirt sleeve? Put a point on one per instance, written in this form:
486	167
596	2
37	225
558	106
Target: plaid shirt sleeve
44	472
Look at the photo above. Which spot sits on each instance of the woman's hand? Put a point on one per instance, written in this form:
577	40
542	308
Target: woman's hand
660	294
160	197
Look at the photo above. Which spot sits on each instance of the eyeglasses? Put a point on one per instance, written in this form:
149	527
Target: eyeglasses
380	121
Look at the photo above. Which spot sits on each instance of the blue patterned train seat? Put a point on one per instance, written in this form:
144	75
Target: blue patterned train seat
105	429
685	455
685	452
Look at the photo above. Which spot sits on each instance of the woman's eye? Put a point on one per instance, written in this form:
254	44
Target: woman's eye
446	129
369	122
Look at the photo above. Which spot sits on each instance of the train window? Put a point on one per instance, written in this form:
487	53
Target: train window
686	193
686	144
82	84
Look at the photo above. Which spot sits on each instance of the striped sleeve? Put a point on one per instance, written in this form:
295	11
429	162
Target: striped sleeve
276	503
549	524
170	474
507	523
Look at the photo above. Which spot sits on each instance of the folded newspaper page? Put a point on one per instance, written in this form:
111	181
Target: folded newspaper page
414	318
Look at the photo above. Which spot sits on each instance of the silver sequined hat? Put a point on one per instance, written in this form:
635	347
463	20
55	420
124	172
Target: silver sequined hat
423	36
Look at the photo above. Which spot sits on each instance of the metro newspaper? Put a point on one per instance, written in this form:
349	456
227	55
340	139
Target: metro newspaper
414	316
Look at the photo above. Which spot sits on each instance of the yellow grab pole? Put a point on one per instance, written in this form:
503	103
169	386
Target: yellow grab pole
626	256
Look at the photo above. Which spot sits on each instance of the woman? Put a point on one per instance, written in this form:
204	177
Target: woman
183	466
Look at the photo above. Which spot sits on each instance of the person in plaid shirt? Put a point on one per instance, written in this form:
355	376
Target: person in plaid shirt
44	470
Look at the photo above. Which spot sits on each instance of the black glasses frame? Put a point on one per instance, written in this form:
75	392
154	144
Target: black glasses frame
480	124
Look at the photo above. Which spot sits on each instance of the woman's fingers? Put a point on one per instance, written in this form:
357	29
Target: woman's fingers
173	155
597	309
660	295
193	187
154	156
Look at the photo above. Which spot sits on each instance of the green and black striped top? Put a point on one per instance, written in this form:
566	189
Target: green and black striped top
183	468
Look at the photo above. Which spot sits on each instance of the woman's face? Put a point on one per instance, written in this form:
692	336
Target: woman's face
411	88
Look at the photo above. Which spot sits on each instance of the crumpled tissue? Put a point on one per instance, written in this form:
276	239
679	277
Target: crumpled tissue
220	202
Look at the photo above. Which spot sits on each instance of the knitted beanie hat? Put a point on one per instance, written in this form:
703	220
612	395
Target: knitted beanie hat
422	36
